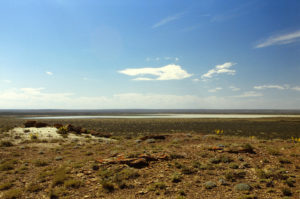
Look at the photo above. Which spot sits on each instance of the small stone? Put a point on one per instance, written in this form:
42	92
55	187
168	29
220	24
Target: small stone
221	145
151	140
242	187
58	158
95	167
138	141
209	185
223	182
80	174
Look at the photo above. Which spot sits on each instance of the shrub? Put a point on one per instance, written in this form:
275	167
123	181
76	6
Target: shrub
273	151
5	144
157	186
40	163
72	184
6	186
12	194
107	186
176	177
60	177
284	161
286	191
6	166
32	187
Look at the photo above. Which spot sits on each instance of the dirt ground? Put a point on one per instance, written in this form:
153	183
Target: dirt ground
172	165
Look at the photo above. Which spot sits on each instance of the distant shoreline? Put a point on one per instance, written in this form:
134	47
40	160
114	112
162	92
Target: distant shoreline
95	112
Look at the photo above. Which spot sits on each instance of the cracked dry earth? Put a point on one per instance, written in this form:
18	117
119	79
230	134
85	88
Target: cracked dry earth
169	166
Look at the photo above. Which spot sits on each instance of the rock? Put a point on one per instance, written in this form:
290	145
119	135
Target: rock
209	184
58	158
100	134
41	152
138	141
29	124
155	137
58	126
22	147
69	127
151	140
245	165
41	125
221	145
242	187
95	167
77	129
223	182
139	163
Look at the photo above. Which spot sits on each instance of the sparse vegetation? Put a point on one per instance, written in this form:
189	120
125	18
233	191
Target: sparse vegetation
83	170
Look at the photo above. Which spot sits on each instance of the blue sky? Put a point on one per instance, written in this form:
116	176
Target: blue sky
150	54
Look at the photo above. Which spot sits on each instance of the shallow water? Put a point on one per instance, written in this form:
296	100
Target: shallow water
149	116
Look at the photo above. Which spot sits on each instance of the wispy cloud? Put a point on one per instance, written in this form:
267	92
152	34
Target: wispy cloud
219	69
167	20
168	72
296	88
249	94
270	86
148	59
233	88
280	39
215	89
6	81
49	73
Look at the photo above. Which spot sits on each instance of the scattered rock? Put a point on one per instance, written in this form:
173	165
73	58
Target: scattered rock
57	158
151	140
223	182
138	141
139	163
29	124
155	137
242	187
209	184
41	125
58	126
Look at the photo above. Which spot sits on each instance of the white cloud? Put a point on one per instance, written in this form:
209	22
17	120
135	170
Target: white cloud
219	69
168	72
39	98
6	81
162	58
233	88
249	94
296	88
167	20
270	87
215	89
49	73
196	80
280	39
